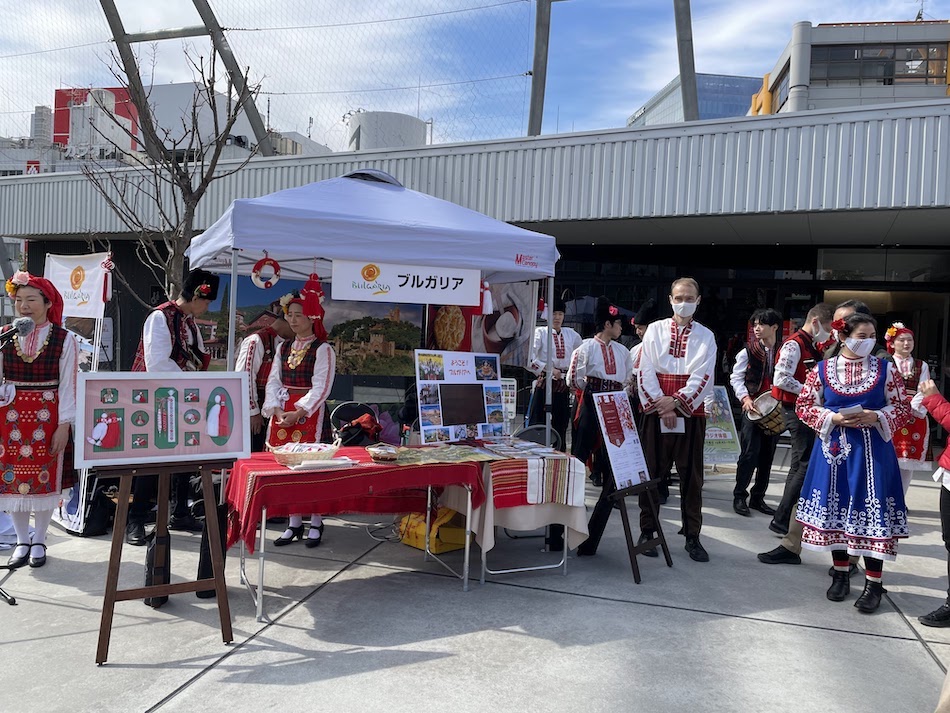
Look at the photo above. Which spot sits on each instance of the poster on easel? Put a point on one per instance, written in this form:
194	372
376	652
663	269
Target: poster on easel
621	439
722	438
460	396
139	417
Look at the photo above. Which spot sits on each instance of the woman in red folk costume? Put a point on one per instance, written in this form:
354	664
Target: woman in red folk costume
39	404
913	440
298	386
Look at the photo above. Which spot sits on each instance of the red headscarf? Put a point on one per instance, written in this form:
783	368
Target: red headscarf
893	332
310	298
22	278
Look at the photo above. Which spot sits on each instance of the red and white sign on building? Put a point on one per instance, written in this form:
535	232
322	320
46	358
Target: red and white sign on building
32	167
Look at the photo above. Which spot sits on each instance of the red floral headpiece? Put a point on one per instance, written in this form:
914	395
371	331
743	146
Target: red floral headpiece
21	278
613	311
838	325
893	332
203	291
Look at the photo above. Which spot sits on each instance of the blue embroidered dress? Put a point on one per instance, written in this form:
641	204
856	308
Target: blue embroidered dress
852	496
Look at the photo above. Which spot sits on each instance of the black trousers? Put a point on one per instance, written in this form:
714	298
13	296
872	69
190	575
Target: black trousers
605	505
945	528
560	412
145	490
803	439
259	440
758	450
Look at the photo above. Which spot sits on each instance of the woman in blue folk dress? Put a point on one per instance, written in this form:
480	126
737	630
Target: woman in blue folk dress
852	501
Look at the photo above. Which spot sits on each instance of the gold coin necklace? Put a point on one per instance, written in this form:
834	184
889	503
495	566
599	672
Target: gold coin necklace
297	353
30	360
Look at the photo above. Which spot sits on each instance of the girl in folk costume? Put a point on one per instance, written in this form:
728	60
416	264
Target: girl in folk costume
599	364
298	386
852	501
39	404
912	441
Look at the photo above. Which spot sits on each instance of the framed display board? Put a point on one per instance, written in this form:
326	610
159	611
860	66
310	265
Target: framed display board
161	417
460	396
722	438
621	439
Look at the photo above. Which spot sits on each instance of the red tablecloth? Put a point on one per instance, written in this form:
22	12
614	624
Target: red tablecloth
259	481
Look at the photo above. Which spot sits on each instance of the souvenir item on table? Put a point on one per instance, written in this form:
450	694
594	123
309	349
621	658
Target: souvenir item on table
383	453
296	453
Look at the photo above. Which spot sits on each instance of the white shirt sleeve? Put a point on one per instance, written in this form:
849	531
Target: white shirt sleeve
539	348
917	402
788	357
737	379
577	373
647	381
324	370
68	366
249	359
157	343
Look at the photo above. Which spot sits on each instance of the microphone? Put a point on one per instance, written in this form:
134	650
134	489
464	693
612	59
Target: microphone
22	326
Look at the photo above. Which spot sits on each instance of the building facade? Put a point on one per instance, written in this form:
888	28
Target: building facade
853	64
720	96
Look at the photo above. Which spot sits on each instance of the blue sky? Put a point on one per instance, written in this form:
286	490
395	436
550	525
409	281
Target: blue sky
460	63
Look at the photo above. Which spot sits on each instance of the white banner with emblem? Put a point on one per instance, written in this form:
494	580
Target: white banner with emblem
82	280
415	284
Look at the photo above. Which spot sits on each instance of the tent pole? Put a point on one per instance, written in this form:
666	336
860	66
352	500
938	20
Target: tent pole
232	308
548	381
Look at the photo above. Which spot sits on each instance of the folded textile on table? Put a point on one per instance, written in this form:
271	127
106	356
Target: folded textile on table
535	481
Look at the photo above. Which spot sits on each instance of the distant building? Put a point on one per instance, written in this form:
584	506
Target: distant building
720	96
849	64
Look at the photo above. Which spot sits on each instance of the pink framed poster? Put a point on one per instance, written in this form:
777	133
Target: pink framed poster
160	417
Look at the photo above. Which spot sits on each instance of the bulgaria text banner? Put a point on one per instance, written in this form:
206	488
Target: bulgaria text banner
722	440
414	284
170	417
621	439
82	280
460	396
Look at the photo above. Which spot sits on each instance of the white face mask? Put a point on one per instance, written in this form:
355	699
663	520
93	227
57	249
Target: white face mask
821	335
861	347
684	309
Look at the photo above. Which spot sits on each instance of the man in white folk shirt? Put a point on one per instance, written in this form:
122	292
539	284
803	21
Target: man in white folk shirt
752	376
677	370
600	364
565	340
256	356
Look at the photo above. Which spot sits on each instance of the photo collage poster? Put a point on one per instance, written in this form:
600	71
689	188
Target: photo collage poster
460	396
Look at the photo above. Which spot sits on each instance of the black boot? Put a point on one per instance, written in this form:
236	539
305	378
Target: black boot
938	617
840	587
870	598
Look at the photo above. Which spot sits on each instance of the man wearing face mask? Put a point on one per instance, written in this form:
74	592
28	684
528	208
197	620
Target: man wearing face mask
677	368
798	354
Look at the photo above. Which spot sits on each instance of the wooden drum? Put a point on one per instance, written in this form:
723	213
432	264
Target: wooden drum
769	417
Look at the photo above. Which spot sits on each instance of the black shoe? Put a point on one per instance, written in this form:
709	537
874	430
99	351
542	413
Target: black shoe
135	534
296	533
779	555
185	523
840	587
738	504
778	529
938	617
312	542
646	537
597	480
17	562
762	507
852	568
663	494
870	598
696	551
37	561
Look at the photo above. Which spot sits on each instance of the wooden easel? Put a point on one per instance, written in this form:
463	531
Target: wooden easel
163	588
650	488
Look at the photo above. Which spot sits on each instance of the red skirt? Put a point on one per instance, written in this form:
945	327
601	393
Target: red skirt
912	443
30	473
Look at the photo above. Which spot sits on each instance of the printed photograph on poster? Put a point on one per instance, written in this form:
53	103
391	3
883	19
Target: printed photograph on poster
161	427
507	331
621	439
462	399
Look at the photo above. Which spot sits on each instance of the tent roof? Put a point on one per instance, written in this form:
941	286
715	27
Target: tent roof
368	215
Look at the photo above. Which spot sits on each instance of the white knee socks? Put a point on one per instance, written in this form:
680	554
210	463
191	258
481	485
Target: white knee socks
21	526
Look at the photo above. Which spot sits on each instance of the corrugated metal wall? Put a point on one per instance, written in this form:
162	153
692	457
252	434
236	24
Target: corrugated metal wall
855	159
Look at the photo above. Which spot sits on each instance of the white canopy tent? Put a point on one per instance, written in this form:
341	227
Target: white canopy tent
367	215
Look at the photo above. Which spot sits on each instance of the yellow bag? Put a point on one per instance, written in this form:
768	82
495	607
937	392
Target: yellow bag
447	534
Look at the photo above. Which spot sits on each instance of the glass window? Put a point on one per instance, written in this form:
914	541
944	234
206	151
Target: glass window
883	52
937	51
819	53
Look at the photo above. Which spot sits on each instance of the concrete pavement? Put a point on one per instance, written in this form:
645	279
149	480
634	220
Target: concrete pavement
361	625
